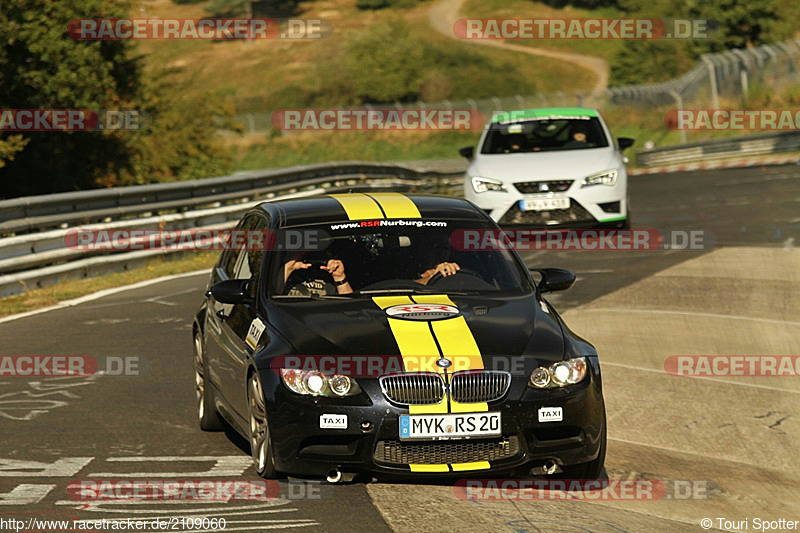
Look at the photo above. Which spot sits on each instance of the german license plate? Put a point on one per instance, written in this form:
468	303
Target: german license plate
449	426
544	203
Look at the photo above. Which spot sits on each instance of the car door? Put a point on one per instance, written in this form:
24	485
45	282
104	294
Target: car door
228	324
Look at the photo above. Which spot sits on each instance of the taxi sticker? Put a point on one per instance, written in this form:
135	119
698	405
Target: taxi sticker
551	414
333	421
254	333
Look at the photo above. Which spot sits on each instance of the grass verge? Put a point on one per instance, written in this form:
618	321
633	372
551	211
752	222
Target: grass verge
69	289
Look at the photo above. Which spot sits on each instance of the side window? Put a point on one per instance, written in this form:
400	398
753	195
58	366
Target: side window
248	262
241	263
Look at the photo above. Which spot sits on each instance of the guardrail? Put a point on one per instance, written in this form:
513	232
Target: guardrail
770	143
34	254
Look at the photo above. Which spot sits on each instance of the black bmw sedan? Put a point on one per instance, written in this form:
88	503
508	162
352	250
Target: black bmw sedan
364	338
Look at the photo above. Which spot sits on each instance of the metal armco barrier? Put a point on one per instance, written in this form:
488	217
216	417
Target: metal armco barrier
770	143
32	249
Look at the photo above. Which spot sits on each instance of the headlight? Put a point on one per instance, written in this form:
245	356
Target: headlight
559	374
609	177
487	184
315	383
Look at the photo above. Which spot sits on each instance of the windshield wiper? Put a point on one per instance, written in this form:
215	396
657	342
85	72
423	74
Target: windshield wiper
409	291
310	296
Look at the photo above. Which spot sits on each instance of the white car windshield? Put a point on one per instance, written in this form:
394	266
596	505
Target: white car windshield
544	135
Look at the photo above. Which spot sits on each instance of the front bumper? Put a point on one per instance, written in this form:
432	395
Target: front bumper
590	207
302	448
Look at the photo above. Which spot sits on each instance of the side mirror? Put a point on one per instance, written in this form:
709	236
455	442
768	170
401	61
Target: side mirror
625	143
554	279
467	151
232	291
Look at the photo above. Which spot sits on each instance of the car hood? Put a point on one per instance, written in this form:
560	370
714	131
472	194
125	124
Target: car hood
501	327
570	164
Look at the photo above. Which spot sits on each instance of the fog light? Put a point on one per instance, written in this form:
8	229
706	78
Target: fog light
340	385
540	377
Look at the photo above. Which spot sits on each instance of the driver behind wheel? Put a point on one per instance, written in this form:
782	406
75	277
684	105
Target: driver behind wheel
304	278
434	262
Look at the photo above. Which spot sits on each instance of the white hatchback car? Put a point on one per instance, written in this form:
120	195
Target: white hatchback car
550	166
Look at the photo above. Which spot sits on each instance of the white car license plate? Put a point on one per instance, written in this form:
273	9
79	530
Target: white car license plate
544	203
448	426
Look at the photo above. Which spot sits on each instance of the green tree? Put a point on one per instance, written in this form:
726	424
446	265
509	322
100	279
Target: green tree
41	67
384	64
741	24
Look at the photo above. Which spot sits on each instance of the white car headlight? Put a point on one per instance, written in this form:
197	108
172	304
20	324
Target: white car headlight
315	383
480	184
608	177
559	374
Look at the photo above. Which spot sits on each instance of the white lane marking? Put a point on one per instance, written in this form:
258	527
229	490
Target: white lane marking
224	466
25	494
688	313
64	467
256	528
102	294
704	378
103	506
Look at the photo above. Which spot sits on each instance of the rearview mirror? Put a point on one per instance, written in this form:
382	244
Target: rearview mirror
467	151
232	291
625	142
554	279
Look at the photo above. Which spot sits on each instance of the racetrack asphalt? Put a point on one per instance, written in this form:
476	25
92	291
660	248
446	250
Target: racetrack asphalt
739	296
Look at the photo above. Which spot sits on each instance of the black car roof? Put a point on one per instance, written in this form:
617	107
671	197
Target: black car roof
367	206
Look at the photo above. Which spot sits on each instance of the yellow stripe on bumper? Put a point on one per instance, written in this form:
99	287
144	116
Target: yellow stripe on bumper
478	465
358	206
429	468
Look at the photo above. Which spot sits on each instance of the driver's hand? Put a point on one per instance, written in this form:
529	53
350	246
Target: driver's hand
291	266
446	269
335	268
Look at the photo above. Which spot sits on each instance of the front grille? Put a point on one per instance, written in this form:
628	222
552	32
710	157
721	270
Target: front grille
462	451
479	386
420	388
534	187
575	213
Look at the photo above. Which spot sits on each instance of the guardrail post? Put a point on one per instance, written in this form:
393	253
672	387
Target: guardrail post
679	104
712	76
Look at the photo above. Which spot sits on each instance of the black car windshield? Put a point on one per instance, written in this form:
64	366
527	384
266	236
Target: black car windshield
393	256
544	135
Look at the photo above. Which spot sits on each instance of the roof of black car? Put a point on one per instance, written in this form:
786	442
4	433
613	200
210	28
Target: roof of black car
370	206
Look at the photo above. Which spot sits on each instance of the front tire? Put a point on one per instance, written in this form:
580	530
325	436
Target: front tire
206	410
260	442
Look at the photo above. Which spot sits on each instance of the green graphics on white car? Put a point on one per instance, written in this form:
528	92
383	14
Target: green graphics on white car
547	167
